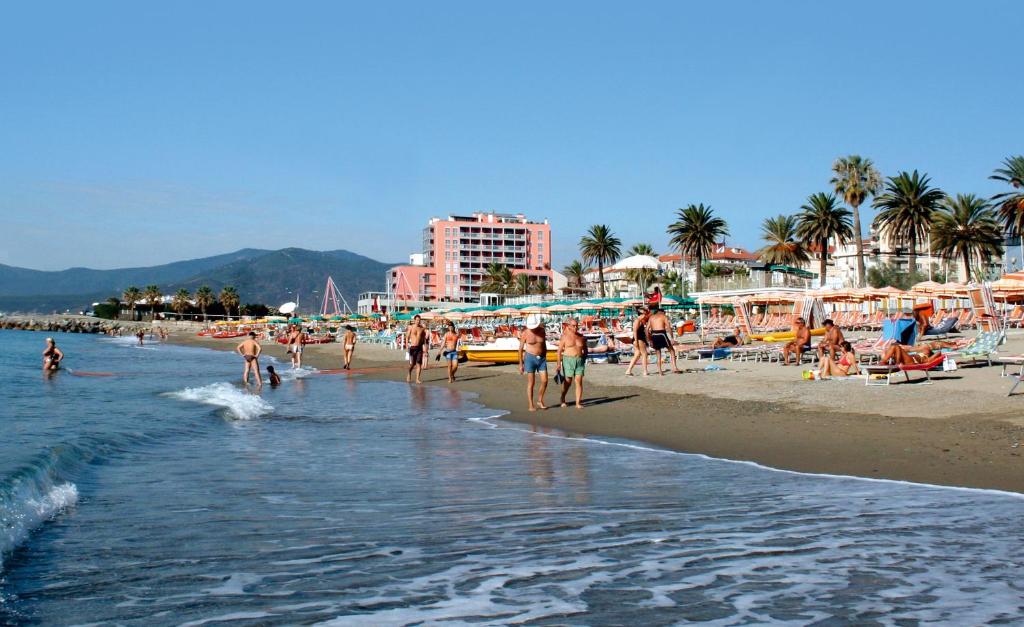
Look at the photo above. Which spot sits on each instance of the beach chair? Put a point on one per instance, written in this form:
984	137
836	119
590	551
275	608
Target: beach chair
983	348
873	374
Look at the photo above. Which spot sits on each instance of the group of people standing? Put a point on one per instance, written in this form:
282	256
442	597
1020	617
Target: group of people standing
417	342
652	332
570	357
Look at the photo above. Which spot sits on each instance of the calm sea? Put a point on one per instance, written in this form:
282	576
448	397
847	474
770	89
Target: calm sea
168	494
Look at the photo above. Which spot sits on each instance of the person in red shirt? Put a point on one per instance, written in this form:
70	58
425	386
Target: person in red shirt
654	300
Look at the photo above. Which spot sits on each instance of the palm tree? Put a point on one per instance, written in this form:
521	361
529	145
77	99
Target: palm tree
181	301
521	285
228	298
672	282
204	298
906	210
821	220
855	178
497	279
131	297
152	296
575	273
601	246
641	249
965	227
1011	204
782	245
694	232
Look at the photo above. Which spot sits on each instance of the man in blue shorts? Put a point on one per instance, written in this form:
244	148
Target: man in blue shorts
533	359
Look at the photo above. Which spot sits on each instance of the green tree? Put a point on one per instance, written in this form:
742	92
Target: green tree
229	298
132	297
905	211
600	246
966	227
1011	203
152	296
855	178
782	245
497	279
641	249
575	272
822	219
181	301
521	285
204	298
694	232
672	283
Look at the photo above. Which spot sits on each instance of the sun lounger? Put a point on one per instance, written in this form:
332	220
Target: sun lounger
890	369
983	348
945	327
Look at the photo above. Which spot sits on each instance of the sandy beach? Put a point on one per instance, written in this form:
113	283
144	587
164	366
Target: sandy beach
960	431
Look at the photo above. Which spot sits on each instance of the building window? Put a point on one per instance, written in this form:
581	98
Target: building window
540	259
540	235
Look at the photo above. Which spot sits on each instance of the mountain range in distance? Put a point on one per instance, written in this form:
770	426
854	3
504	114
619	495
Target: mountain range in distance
270	277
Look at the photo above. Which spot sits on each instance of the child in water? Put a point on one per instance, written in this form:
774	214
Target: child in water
275	379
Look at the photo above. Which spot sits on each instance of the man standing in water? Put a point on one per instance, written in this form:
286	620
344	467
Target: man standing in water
659	331
450	350
533	359
250	350
415	338
572	361
349	344
295	340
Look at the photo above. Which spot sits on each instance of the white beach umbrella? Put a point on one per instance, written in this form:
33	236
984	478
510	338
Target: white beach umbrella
637	262
287	308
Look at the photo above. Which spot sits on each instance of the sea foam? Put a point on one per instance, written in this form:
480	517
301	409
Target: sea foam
236	403
25	506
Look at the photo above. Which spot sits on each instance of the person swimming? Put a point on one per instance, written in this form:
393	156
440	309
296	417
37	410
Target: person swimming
275	379
52	356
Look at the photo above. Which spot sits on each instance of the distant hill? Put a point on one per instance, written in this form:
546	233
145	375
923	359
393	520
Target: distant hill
260	276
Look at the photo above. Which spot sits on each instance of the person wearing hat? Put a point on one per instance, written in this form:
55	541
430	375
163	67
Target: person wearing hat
533	359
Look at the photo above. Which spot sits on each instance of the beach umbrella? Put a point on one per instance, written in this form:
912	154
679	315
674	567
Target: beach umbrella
637	262
558	309
455	315
287	308
481	313
533	309
582	307
295	320
929	287
507	311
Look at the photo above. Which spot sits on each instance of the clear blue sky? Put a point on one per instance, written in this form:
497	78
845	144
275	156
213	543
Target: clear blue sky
134	133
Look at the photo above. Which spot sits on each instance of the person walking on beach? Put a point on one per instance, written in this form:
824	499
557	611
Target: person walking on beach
296	338
52	356
572	361
415	338
533	359
659	331
799	345
250	350
349	344
450	351
639	341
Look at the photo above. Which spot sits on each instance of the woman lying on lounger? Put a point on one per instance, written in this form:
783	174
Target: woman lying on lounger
898	354
844	366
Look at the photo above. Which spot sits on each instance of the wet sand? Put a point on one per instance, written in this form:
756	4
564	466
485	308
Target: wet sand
907	432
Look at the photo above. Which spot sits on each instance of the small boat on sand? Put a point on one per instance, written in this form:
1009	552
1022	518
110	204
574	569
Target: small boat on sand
504	350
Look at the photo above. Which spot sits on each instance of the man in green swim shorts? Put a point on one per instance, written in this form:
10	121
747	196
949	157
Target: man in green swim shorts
572	360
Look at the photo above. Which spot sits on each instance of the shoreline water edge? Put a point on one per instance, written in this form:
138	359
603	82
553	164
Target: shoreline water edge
962	450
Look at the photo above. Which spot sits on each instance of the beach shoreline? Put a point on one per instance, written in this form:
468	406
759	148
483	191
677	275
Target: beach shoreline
960	450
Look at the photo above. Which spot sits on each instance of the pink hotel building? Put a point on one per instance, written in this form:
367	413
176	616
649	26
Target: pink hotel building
457	251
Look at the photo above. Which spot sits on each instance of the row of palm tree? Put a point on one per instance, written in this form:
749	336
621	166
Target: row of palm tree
182	299
910	210
499	279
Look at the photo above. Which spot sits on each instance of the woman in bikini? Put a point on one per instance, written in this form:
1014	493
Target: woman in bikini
844	366
639	341
349	341
52	356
